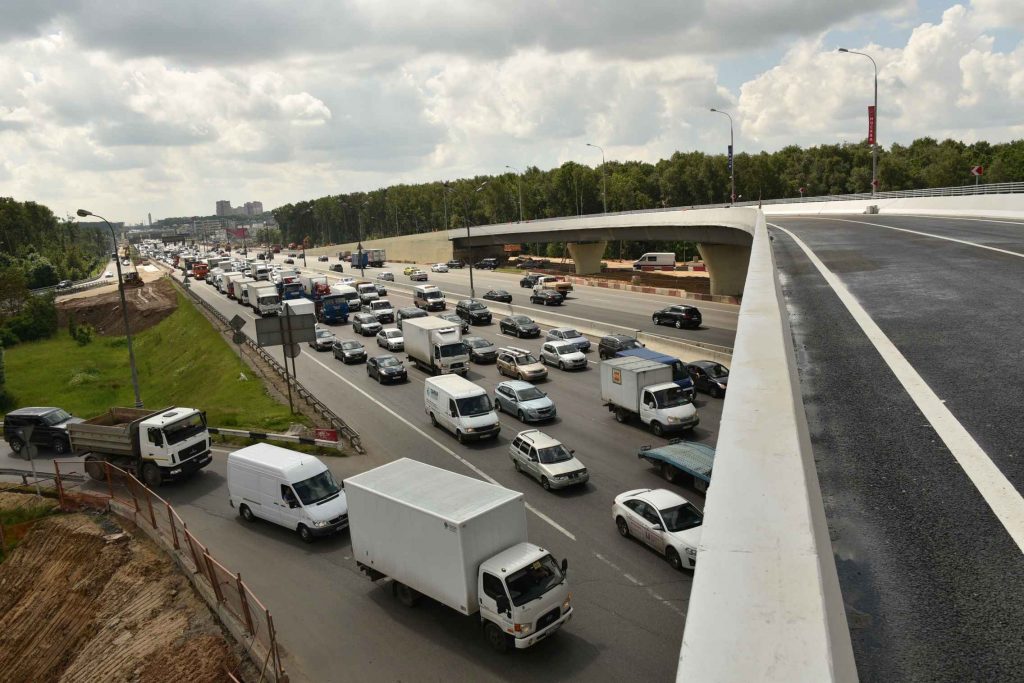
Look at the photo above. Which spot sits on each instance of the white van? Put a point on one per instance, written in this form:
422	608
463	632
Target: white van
662	260
286	487
461	407
429	298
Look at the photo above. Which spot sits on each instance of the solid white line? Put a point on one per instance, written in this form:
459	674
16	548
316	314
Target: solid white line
483	475
629	578
961	218
925	234
995	488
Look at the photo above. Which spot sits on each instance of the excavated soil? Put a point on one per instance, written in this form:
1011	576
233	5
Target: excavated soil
147	306
82	600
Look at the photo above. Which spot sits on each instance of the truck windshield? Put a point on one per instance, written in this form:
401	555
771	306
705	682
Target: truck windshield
450	350
474	405
269	300
533	581
434	295
681	517
183	429
380	305
670	398
316	489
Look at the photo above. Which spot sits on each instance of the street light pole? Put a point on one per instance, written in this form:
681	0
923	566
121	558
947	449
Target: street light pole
604	179
444	198
519	179
874	143
124	308
472	289
359	244
732	159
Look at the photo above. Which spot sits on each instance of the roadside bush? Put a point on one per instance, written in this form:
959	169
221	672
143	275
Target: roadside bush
84	334
36	320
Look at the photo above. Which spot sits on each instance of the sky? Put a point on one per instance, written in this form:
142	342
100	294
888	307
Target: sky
143	107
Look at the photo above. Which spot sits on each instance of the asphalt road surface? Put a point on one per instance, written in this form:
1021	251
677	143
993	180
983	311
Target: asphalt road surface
337	625
932	579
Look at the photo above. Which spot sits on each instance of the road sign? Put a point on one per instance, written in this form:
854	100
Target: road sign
237	323
730	160
291	350
325	434
977	170
238	337
272	331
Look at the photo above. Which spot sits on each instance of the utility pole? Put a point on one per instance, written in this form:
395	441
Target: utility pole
732	166
872	123
519	180
604	179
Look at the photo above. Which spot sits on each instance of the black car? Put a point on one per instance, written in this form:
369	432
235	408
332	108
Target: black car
529	281
613	343
480	349
386	369
489	263
455	319
49	428
349	351
709	377
519	326
63	284
289	260
366	324
473	311
498	295
454	263
548	297
337	268
679	316
322	259
381	289
405	313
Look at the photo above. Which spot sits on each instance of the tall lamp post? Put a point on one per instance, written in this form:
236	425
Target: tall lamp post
874	141
124	308
472	289
604	179
732	164
359	244
519	179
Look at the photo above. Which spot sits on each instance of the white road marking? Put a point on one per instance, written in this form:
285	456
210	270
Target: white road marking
964	218
635	582
995	488
927	234
483	475
631	580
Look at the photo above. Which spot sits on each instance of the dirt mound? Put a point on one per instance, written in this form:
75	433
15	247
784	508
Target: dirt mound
147	306
80	600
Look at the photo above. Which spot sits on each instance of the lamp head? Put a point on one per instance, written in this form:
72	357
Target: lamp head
83	213
843	49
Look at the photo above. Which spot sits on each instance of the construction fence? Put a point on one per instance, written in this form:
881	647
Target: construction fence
97	485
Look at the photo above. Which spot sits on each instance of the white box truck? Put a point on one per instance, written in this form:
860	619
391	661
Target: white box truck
375	258
299	307
292	489
459	541
241	289
263	298
636	386
460	406
261	271
225	282
435	345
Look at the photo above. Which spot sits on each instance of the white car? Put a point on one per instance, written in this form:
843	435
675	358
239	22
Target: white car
439	268
545	459
391	339
108	274
663	520
562	354
347	281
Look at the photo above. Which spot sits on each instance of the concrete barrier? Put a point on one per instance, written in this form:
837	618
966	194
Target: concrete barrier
981	206
766	603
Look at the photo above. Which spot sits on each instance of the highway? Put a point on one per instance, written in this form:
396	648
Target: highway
336	624
930	571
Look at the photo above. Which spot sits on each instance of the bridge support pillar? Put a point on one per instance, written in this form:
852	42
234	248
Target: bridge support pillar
587	256
727	267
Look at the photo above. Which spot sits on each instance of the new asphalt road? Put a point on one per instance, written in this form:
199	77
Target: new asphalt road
930	571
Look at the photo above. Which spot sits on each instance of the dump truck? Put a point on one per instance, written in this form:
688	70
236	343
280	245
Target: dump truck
555	282
155	446
459	541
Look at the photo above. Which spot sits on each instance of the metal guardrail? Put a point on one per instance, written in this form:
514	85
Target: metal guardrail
78	286
305	394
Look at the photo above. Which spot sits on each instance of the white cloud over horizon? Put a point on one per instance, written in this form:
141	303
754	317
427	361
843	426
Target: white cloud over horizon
166	108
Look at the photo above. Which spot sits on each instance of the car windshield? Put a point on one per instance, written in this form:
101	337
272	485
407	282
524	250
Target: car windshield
718	371
349	346
569	334
529	394
476	343
316	489
449	350
56	417
671	398
324	334
474	405
553	454
631	344
182	429
522	320
526	359
476	306
380	304
499	292
567	349
388	362
534	581
392	334
681	517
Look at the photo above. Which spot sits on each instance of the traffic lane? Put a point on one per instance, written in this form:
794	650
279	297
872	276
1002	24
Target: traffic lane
379	430
1000	233
931	580
962	332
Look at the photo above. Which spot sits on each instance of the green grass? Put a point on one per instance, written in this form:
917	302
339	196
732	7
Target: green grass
181	361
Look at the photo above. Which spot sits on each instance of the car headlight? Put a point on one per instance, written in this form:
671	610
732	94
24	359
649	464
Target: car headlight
523	628
320	524
674	420
470	429
691	552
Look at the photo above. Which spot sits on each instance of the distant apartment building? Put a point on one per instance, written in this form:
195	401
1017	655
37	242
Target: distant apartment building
224	208
253	208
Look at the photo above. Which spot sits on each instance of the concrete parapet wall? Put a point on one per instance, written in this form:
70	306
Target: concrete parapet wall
427	247
982	205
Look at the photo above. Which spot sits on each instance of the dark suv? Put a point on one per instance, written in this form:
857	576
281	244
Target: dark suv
406	313
473	311
679	316
455	263
49	428
528	281
614	343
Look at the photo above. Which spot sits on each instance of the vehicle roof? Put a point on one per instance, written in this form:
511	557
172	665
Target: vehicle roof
514	350
661	498
519	555
705	363
618	336
538	438
349	341
391	331
560	342
566	329
516	385
33	411
455	385
293	465
445	494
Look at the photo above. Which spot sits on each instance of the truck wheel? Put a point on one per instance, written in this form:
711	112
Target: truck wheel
305	534
407	596
623	528
433	420
151	476
16	444
496	638
246	513
657	429
95	469
668	472
673	558
621	415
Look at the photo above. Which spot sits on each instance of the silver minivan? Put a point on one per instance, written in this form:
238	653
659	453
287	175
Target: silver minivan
545	459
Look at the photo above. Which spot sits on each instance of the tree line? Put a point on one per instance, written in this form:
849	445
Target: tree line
684	179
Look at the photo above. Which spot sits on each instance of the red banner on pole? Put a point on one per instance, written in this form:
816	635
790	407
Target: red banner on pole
871	125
